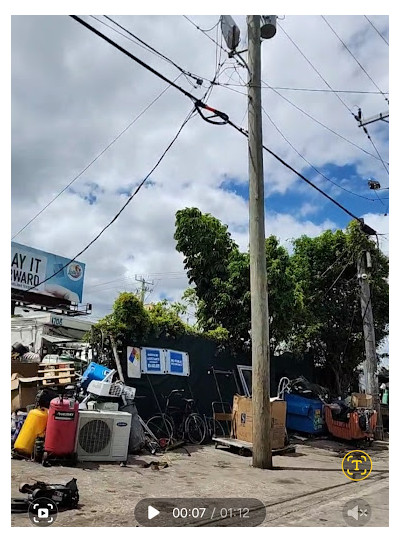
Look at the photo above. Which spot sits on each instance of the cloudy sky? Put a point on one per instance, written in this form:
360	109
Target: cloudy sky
73	94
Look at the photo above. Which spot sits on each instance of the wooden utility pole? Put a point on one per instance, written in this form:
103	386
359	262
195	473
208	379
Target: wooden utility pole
370	362
262	455
143	288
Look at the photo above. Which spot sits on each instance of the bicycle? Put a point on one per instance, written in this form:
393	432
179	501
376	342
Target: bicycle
152	443
175	422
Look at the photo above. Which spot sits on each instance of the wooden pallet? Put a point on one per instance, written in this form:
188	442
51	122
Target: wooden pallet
54	374
57	381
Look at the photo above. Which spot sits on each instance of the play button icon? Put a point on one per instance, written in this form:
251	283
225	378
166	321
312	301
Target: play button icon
152	512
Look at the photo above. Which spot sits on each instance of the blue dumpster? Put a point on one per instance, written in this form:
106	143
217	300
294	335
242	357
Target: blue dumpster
303	414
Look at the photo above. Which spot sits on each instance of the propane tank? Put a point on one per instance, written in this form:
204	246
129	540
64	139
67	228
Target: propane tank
61	426
34	425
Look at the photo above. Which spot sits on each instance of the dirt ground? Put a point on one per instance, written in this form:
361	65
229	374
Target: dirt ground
305	488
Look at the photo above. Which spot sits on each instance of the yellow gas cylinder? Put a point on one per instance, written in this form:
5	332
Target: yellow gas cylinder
34	425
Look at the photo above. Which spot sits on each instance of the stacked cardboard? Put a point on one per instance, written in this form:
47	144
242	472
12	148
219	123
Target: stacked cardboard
362	400
242	420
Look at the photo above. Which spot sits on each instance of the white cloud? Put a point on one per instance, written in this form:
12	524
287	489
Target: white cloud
73	93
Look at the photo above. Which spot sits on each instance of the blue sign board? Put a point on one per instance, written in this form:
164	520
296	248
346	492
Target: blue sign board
152	360
175	362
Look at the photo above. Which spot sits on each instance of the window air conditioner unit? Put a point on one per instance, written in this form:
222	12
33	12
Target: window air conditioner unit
103	435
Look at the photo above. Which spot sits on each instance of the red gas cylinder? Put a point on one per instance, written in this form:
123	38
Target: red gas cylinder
61	427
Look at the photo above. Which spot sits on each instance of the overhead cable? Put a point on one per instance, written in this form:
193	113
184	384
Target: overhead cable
187	73
320	123
205	33
313	167
123	207
93	161
359	63
373	26
220	118
315	69
313	89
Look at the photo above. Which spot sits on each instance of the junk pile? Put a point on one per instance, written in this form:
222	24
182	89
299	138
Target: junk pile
73	418
66	496
312	410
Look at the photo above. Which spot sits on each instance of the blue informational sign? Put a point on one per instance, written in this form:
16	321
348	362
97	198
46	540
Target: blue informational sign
31	267
152	360
161	361
176	362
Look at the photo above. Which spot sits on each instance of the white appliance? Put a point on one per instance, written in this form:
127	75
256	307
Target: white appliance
103	435
95	405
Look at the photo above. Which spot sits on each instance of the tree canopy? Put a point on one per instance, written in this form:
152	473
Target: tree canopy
313	293
220	274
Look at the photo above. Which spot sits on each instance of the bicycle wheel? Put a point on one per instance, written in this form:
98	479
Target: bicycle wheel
162	429
195	428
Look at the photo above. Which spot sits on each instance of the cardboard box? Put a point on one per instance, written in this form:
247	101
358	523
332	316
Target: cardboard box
25	369
242	423
362	400
23	391
24	379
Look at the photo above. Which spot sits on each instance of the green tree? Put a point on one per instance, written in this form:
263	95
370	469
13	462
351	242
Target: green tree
220	274
328	321
128	324
165	319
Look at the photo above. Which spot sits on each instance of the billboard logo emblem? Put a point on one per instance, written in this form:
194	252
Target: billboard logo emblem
75	271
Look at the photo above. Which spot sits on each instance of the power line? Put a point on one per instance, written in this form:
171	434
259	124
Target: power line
272	153
338	277
212	28
129	278
155	51
205	33
373	26
347	49
223	118
376	150
315	69
319	122
188	117
313	89
131	56
311	165
93	161
331	90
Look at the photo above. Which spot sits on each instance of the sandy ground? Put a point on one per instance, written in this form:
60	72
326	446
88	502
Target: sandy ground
307	488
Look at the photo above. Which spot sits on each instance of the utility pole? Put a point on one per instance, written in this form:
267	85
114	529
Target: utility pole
143	288
370	363
262	455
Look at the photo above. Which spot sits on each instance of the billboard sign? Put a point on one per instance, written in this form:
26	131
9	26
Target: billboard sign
30	267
